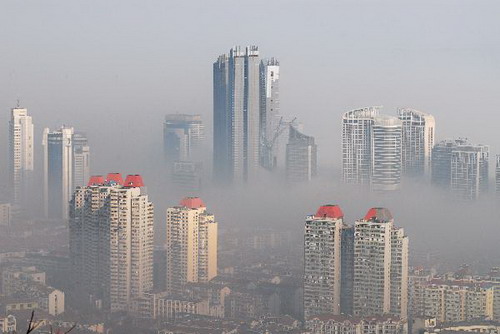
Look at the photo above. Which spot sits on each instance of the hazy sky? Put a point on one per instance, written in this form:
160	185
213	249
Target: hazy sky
113	69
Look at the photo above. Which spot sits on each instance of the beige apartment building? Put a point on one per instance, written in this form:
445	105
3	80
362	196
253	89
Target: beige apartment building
191	244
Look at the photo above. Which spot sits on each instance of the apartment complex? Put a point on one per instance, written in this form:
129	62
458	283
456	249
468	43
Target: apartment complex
301	157
341	324
418	139
21	158
236	79
191	244
111	241
461	167
66	166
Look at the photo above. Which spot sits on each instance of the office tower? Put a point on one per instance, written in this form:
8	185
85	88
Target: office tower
301	158
380	266
111	241
386	153
191	244
322	261
461	167
66	164
357	145
269	112
182	136
417	141
20	153
497	175
236	115
187	176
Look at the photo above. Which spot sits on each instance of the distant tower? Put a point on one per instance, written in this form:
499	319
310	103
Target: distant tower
380	266
191	244
111	241
269	111
301	157
236	115
20	154
386	153
497	175
66	166
357	128
322	261
417	141
461	167
182	136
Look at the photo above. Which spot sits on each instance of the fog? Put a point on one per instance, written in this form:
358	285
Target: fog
113	69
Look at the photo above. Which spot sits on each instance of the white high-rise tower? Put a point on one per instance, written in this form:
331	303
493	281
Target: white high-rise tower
20	153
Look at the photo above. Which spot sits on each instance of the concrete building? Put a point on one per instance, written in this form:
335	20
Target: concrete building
66	166
183	135
111	241
461	167
301	157
380	266
236	80
269	112
8	324
187	176
21	157
386	153
5	214
322	261
418	137
191	244
340	324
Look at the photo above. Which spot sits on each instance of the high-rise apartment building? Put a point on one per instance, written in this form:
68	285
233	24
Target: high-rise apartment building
418	139
111	233
386	153
322	261
191	244
182	136
301	156
21	158
236	80
269	112
461	167
357	132
66	165
380	266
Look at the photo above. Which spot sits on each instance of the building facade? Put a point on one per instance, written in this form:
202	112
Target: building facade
111	241
191	244
21	157
418	139
301	157
66	166
236	115
461	167
183	135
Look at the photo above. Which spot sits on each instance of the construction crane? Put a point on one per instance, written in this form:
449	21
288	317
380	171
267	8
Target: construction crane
268	159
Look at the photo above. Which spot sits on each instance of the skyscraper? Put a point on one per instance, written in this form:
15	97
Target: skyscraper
386	153
182	136
380	266
497	175
417	141
301	156
461	167
111	241
322	261
236	115
191	244
21	159
269	111
66	165
357	145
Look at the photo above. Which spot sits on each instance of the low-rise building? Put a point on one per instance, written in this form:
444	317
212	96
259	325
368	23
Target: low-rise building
340	324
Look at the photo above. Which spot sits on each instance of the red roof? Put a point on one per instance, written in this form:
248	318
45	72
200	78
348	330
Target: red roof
329	211
381	215
133	181
192	202
115	177
95	180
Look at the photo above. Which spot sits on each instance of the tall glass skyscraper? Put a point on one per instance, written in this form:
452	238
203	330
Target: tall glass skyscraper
236	115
